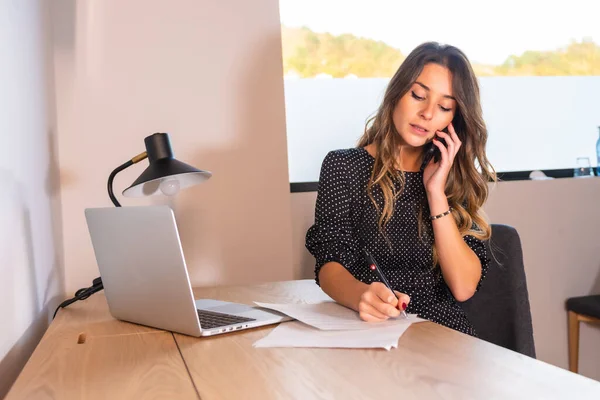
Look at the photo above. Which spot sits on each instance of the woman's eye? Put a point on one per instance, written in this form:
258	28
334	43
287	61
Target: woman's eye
417	97
445	109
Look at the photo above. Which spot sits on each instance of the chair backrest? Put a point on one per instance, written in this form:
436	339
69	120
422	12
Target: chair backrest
500	311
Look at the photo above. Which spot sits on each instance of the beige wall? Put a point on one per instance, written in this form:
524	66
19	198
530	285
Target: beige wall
558	221
207	72
31	277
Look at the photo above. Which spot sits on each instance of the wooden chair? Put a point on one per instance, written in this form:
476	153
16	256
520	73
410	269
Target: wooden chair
586	309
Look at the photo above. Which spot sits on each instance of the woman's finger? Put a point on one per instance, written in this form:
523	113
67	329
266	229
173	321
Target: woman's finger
453	133
454	136
403	300
383	300
443	151
386	308
383	293
367	309
449	142
369	318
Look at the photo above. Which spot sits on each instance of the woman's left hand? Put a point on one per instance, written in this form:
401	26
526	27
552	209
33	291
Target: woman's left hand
435	175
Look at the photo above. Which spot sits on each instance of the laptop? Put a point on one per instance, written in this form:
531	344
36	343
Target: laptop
145	278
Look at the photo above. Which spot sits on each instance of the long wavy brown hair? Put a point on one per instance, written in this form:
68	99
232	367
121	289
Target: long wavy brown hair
467	183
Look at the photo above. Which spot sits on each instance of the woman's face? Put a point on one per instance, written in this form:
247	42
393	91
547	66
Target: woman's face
427	107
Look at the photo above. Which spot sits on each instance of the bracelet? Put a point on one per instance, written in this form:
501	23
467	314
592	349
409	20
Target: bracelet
441	215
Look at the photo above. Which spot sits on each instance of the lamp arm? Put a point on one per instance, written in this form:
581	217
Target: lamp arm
120	168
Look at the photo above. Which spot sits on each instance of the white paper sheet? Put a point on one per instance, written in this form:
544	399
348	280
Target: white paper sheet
298	334
330	315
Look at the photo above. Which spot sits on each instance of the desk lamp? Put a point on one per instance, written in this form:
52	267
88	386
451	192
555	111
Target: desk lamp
165	175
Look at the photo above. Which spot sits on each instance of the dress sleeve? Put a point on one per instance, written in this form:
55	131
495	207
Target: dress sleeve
331	237
479	249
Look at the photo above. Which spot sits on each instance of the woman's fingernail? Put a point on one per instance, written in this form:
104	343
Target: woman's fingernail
403	306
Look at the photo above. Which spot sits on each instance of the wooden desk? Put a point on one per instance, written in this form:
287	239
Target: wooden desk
85	354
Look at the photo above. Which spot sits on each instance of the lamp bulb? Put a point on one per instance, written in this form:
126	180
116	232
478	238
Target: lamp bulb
169	187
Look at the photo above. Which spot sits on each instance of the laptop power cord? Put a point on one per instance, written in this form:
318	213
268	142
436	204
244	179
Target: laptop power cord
82	294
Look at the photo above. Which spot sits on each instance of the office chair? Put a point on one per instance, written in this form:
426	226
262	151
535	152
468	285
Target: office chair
500	310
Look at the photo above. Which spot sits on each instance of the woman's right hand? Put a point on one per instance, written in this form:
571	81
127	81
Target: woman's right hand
378	303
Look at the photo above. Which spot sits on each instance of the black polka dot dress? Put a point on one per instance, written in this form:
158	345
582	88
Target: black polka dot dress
346	224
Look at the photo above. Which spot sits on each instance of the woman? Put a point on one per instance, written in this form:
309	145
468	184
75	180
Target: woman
421	223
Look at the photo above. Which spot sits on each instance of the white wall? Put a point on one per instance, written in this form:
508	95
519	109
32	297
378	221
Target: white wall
31	276
210	74
558	222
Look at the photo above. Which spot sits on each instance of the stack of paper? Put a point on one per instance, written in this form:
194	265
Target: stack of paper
329	324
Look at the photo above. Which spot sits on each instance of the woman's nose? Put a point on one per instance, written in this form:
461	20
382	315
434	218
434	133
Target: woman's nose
427	112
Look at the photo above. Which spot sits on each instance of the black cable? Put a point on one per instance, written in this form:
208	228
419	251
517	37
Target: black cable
82	294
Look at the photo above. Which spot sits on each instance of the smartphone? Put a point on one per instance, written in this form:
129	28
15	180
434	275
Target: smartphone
431	151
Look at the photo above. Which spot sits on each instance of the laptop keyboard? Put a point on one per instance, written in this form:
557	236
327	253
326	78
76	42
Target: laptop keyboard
211	319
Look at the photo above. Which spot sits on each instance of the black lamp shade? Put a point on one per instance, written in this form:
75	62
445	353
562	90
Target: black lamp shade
163	168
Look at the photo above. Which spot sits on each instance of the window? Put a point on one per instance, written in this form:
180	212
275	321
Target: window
538	65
